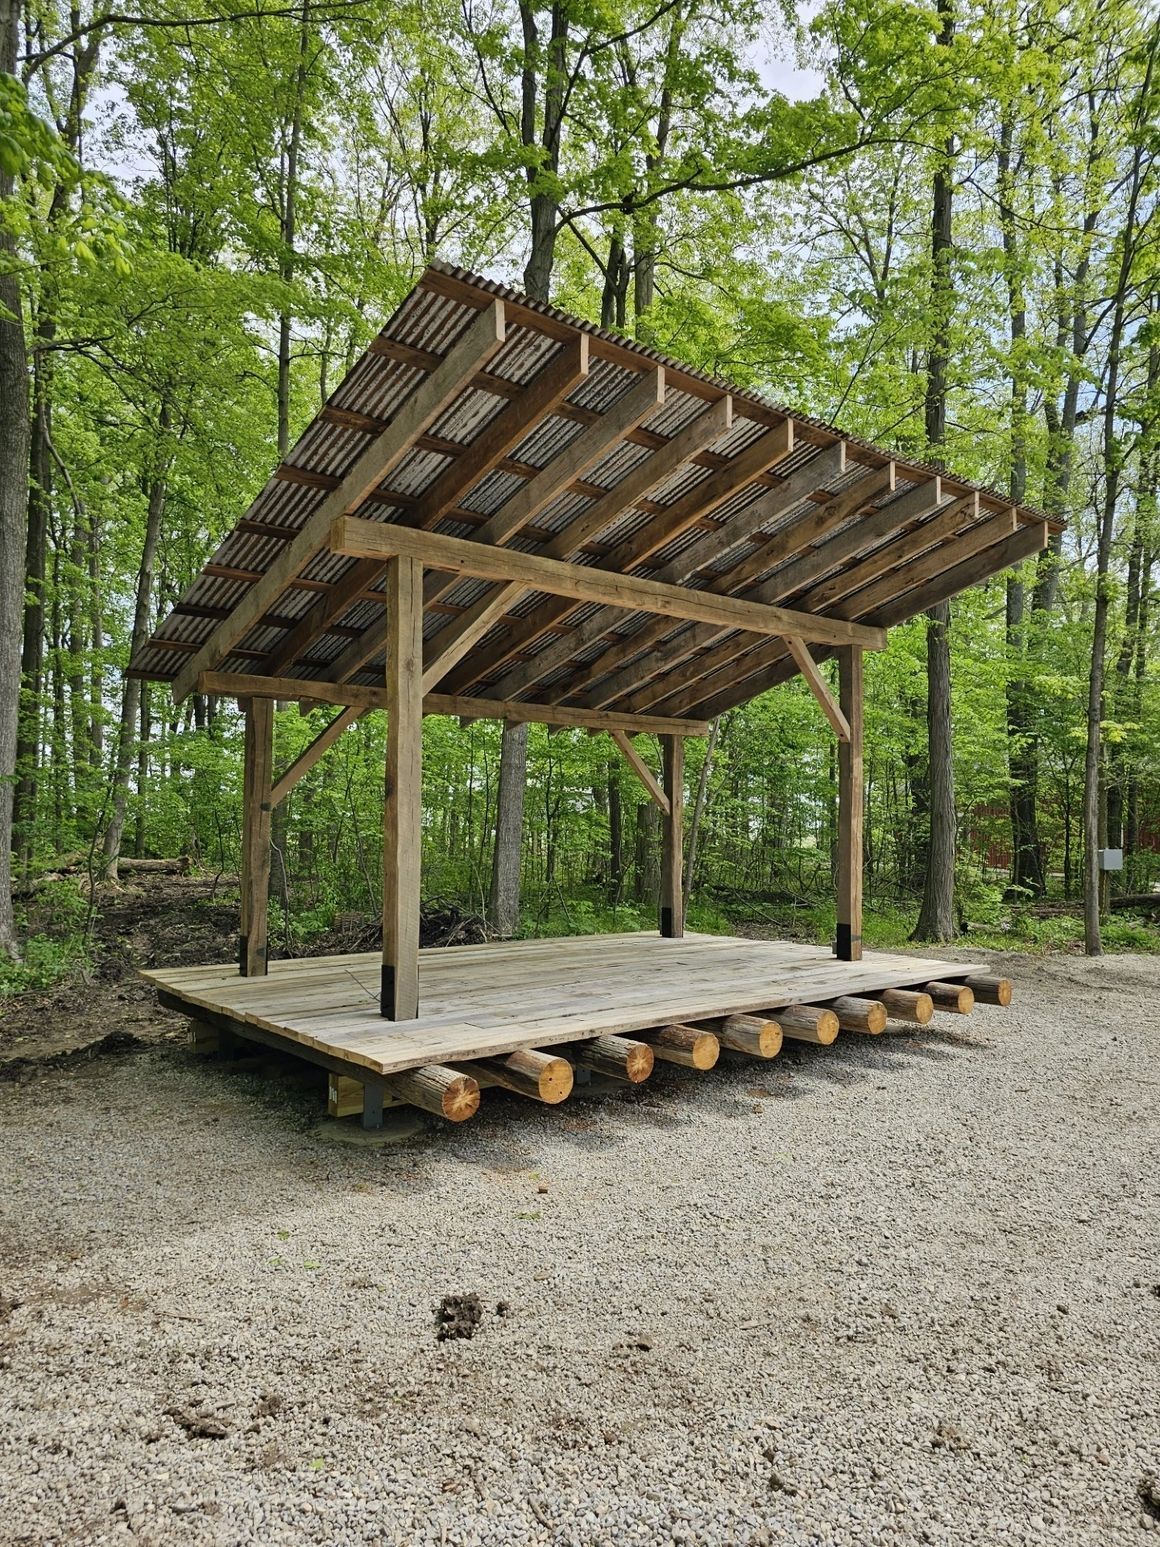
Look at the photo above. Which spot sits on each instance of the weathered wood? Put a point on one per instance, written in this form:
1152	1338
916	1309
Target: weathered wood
437	1089
808	1023
672	899
542	1077
848	944
307	758
856	1014
819	687
992	990
958	998
480	341
484	1001
623	1058
256	810
679	569
756	1035
691	1046
707	427
641	769
979	538
908	1004
722	678
403	809
454	641
460	556
243	684
1030	538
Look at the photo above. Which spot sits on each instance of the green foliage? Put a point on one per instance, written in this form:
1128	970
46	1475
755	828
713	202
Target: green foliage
249	199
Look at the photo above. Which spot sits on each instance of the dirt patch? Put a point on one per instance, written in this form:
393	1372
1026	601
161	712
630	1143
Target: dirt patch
458	1316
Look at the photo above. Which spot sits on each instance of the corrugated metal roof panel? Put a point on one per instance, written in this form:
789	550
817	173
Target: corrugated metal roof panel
427	323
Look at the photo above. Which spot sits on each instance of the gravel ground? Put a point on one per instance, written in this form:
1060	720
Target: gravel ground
903	1289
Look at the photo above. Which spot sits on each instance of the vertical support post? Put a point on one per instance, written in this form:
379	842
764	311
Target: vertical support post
673	838
256	810
403	808
848	946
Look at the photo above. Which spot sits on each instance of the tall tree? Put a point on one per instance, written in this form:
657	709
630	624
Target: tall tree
936	917
1124	300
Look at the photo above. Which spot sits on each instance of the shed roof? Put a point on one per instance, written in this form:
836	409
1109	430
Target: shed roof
483	418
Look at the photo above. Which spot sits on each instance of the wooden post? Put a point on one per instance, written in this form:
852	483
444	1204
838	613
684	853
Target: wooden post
848	946
403	807
256	809
672	919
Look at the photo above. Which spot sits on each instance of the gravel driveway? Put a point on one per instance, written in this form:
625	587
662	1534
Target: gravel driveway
903	1289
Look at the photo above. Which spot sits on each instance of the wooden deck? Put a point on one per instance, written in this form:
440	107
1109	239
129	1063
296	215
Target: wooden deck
480	1001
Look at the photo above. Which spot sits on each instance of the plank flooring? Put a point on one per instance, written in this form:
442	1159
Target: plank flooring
482	1000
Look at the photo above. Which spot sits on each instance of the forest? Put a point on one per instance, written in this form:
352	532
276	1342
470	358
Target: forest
930	222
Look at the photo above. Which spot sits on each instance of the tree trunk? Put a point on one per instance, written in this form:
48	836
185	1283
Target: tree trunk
1113	465
646	855
546	69
503	903
131	695
699	809
936	919
615	836
35	571
13	501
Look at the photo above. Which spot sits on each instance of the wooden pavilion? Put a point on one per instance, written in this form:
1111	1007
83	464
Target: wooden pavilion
505	512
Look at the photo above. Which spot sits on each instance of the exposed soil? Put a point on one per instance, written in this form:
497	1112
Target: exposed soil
166	920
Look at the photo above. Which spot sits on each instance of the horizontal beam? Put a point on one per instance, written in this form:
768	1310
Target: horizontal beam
375	540
233	684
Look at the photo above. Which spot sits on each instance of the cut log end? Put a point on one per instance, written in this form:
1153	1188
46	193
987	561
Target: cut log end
908	1004
437	1089
809	1023
991	990
757	1035
622	1058
863	1015
955	997
690	1046
542	1077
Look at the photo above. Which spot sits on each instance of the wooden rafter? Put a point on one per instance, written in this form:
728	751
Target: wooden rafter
708	426
630	676
633	551
763	668
959	517
513	422
480	342
454	641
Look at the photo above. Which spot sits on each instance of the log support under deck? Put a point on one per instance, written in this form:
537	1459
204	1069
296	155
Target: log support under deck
672	906
402	814
848	945
256	810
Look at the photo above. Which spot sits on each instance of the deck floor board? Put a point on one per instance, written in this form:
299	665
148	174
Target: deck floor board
484	1000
